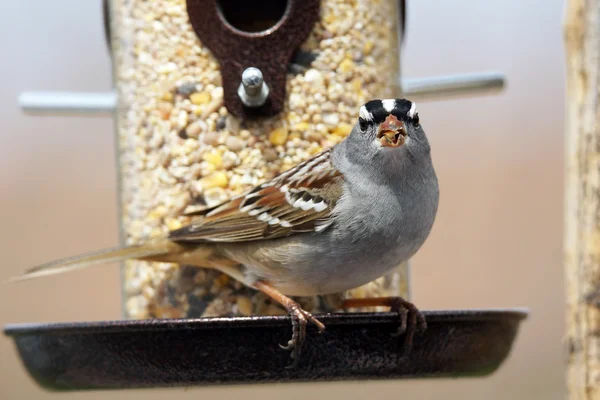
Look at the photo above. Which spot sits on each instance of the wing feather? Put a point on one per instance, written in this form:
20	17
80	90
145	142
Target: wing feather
299	200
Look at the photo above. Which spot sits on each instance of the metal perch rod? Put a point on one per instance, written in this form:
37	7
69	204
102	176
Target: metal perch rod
418	89
435	88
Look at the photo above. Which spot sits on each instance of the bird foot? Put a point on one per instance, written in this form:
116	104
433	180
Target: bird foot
300	318
411	321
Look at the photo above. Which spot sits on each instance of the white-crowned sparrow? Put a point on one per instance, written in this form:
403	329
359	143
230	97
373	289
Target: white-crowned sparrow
339	220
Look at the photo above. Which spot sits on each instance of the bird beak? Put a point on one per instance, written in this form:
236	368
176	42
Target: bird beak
392	132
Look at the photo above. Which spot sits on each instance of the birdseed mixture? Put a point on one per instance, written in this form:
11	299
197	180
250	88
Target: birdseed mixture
179	149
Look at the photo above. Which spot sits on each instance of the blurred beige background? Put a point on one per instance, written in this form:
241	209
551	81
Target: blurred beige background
496	243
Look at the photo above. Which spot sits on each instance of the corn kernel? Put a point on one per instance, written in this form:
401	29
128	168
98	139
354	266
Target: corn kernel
342	130
357	85
368	47
314	150
173	224
216	179
158	212
301	127
347	65
278	136
181	51
329	19
214	158
200	98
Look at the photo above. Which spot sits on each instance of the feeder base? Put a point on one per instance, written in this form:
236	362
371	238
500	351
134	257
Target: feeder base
192	352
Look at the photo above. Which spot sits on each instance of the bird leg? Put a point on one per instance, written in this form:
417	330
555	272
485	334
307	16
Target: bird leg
299	317
410	317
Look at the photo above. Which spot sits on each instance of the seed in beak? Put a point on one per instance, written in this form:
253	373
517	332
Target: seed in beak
392	138
392	132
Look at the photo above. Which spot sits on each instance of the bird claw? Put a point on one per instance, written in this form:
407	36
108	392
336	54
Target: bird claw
300	318
288	346
403	313
411	321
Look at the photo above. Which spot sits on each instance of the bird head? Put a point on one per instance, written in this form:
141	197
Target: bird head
388	129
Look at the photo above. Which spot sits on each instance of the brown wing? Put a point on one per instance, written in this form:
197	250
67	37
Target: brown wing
299	200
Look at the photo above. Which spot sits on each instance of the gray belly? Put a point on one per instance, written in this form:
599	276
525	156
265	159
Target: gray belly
331	263
363	245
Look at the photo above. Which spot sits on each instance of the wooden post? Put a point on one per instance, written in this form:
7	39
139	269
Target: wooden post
582	212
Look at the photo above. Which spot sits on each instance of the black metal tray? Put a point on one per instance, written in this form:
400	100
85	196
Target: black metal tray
190	352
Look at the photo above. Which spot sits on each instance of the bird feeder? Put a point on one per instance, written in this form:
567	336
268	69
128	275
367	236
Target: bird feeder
213	97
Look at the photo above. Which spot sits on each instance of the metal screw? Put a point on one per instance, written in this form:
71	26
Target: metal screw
253	90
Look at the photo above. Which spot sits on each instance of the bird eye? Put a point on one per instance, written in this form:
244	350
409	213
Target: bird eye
415	120
362	124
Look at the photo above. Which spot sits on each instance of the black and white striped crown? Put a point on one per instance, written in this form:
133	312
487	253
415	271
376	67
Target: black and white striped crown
377	110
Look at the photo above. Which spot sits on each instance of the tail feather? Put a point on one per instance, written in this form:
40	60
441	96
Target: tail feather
106	256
